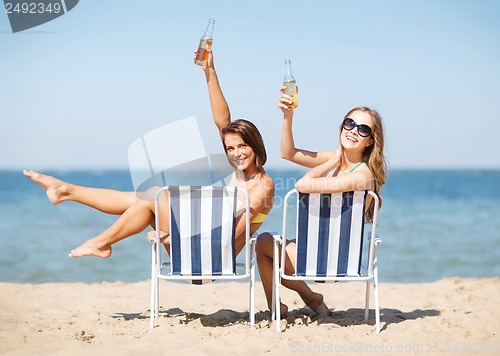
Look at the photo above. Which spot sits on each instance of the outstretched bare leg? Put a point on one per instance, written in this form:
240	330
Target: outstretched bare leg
264	250
105	200
134	220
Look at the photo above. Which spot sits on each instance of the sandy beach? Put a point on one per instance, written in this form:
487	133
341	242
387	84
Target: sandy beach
450	316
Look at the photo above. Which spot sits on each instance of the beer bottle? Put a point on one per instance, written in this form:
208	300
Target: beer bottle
205	41
290	84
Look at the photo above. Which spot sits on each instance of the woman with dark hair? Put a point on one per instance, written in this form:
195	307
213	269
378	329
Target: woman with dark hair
245	150
357	164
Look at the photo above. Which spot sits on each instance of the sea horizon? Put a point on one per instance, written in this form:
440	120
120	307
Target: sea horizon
433	224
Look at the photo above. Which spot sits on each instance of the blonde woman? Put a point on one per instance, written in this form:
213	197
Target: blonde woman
357	164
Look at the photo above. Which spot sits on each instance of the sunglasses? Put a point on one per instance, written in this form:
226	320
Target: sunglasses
363	130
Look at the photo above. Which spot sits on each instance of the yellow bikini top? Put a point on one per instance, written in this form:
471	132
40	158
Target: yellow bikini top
259	218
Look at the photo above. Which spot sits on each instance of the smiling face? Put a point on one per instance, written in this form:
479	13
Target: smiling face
240	154
246	133
352	139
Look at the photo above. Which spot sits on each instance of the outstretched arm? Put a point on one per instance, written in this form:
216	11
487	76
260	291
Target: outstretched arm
288	150
344	183
220	109
315	181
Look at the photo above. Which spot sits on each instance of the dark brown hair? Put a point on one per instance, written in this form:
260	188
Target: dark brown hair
251	136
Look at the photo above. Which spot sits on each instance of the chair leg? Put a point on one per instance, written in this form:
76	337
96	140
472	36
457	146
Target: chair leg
152	307
273	308
157	299
154	288
377	305
273	298
252	288
276	287
367	300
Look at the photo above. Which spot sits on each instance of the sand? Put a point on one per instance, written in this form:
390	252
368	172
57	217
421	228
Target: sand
447	317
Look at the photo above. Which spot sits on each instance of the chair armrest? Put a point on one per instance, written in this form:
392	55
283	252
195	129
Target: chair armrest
378	240
253	238
276	236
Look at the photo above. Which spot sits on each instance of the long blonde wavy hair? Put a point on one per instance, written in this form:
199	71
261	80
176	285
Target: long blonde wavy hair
374	155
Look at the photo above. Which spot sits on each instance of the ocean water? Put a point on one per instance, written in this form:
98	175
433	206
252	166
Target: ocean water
433	224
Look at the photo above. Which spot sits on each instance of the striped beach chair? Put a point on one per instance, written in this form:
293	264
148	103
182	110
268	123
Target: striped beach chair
202	237
329	241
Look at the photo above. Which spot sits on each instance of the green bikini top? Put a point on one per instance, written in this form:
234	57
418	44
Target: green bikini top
356	166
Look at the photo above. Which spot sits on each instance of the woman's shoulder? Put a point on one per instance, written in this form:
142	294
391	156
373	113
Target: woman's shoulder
264	183
363	174
267	180
362	168
365	168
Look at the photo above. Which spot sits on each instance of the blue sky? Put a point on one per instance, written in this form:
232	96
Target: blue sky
77	91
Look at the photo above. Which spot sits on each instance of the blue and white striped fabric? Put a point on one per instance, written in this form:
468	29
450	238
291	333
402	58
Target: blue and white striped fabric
330	234
202	228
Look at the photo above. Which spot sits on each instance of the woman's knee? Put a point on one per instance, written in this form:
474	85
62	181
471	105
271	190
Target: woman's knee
144	204
151	193
265	243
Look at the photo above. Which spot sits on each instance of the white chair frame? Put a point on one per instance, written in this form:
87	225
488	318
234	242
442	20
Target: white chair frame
371	270
157	265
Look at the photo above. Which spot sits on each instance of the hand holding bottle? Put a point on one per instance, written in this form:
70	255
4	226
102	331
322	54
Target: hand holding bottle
285	102
209	63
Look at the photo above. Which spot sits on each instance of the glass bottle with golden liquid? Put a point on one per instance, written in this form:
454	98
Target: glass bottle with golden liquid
290	84
205	41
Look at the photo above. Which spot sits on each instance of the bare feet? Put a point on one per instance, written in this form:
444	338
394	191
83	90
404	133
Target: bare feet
315	302
54	188
164	237
91	248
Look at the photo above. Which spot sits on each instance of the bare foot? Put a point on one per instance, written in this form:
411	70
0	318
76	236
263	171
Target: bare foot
283	311
54	188
315	302
91	248
164	237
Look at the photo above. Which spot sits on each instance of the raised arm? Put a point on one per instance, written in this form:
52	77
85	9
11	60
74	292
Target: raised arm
220	109
288	150
327	166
